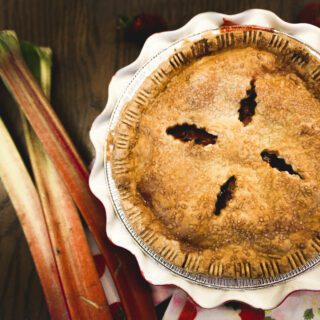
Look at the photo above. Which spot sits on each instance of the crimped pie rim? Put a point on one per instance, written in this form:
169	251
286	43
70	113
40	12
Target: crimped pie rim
172	279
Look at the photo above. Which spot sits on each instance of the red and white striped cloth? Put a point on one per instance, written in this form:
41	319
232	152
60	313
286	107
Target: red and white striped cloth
302	305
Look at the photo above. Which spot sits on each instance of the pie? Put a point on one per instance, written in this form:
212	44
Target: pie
216	158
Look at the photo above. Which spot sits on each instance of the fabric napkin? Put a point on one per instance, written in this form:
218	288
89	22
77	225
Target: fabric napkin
173	303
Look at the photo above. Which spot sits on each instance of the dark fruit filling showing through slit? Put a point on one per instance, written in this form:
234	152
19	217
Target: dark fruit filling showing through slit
190	132
273	159
248	105
225	195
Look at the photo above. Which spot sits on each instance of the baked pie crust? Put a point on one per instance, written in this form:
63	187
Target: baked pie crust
217	156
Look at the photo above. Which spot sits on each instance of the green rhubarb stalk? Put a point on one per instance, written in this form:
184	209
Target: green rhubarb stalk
131	287
39	61
83	290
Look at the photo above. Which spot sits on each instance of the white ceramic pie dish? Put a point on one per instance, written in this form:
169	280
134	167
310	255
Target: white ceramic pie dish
119	92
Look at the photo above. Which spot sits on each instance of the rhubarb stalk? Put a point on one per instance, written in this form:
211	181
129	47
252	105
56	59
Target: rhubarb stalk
83	290
133	290
26	202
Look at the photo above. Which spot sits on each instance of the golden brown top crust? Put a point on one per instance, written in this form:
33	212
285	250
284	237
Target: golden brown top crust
244	202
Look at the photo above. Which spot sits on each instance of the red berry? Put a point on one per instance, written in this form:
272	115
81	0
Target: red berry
310	14
144	25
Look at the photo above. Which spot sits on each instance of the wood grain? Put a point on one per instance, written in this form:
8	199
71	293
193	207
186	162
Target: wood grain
87	50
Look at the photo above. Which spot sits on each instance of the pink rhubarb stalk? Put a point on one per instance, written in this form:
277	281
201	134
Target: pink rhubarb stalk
133	290
26	202
84	293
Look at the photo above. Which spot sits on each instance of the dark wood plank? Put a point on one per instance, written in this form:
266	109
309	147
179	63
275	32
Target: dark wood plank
87	52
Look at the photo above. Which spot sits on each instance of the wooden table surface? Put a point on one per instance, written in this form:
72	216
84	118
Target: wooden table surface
87	52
